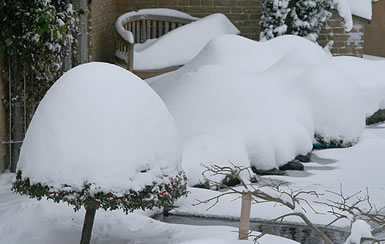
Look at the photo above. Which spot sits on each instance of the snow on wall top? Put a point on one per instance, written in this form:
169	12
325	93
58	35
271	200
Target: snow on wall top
361	8
100	124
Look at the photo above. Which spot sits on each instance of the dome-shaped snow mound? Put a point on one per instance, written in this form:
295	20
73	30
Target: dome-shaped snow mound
100	124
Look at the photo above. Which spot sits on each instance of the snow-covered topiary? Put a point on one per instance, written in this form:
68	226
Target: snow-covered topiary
101	138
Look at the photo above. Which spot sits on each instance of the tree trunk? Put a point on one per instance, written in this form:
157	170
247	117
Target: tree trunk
289	19
87	226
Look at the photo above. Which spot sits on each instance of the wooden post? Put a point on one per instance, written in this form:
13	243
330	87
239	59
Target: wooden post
87	226
245	216
130	56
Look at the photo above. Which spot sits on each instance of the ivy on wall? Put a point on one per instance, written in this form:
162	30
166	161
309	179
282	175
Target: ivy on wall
38	35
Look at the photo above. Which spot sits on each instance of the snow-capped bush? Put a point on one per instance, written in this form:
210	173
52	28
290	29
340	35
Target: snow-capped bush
273	18
308	16
303	17
101	138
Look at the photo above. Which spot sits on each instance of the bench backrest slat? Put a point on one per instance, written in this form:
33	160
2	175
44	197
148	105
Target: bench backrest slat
137	34
145	27
166	27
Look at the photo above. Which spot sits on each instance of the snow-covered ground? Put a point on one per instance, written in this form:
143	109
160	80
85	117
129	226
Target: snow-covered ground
240	101
356	168
25	220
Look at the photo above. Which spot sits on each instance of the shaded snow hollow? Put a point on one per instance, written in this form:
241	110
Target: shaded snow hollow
100	124
261	103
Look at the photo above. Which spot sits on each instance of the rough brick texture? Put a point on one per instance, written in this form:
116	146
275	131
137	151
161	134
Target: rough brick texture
245	14
101	30
345	43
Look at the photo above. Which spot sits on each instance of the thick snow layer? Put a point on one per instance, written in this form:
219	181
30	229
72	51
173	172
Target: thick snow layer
100	124
361	8
356	169
233	114
359	230
260	103
344	10
367	75
25	220
123	19
179	46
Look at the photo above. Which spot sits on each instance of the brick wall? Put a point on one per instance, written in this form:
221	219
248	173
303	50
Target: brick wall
245	14
101	22
345	43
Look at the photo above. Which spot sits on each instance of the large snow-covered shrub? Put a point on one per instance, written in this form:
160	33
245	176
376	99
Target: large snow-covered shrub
100	124
101	138
263	103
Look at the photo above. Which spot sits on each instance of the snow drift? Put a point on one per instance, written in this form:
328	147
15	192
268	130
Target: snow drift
100	124
262	103
179	46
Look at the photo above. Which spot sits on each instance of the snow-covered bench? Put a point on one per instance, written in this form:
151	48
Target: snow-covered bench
155	41
138	29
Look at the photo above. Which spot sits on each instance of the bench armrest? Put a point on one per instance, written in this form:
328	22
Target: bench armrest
125	34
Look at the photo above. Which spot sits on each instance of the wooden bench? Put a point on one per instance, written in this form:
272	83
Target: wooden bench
138	27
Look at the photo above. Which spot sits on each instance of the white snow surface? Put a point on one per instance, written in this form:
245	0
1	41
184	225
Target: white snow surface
344	10
25	220
123	19
358	168
361	8
260	103
100	124
182	44
359	230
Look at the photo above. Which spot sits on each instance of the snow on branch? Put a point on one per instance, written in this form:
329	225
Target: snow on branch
356	208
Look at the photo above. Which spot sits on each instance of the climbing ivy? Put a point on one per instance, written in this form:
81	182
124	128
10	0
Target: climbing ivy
38	35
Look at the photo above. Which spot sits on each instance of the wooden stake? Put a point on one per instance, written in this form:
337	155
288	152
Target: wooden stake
245	216
87	226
